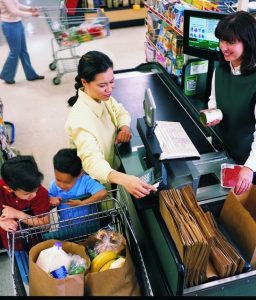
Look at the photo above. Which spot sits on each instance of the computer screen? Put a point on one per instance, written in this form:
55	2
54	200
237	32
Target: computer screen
198	35
149	106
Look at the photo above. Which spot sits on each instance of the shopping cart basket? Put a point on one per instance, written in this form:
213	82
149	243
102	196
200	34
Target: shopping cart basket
69	32
108	213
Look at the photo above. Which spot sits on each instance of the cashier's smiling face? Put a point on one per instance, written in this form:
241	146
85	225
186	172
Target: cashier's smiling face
100	89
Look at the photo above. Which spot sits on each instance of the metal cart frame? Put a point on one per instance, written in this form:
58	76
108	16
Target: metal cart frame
108	213
65	58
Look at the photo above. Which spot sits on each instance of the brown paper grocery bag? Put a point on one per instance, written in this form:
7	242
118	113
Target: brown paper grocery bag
42	284
238	216
114	282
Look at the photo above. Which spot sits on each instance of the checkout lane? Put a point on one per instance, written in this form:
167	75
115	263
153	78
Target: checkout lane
165	269
129	90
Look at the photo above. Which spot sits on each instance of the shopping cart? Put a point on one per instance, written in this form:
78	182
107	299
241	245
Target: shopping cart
108	213
69	32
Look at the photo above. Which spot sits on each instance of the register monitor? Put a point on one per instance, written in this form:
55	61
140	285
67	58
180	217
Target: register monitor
198	34
149	107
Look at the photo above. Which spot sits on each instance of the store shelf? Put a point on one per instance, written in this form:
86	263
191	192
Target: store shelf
177	30
126	16
151	43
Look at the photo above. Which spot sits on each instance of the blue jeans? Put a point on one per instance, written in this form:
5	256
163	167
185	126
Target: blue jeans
15	36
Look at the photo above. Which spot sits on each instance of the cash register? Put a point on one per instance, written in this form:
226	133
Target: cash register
203	173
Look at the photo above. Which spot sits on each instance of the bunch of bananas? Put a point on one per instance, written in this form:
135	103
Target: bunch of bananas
106	260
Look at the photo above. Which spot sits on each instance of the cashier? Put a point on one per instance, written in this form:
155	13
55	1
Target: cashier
234	92
96	122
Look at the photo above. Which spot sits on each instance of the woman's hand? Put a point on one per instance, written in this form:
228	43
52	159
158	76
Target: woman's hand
124	135
137	187
134	185
9	225
244	181
34	11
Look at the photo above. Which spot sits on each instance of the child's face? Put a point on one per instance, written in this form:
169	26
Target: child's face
25	195
64	181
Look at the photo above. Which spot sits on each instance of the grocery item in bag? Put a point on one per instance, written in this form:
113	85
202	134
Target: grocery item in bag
53	258
43	284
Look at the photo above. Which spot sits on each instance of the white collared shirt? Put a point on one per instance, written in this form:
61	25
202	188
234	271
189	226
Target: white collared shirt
251	160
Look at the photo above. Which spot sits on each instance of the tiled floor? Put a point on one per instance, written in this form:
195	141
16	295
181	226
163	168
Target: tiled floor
39	109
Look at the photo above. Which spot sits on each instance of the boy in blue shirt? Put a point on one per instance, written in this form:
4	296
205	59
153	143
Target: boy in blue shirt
70	182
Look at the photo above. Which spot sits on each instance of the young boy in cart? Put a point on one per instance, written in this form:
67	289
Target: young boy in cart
71	182
21	189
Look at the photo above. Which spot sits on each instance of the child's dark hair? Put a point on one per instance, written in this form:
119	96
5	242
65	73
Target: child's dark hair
21	172
90	64
239	26
67	161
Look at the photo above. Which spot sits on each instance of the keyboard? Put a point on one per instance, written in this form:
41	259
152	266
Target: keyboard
174	141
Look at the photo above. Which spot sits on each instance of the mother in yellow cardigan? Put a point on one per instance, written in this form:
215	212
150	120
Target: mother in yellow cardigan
96	122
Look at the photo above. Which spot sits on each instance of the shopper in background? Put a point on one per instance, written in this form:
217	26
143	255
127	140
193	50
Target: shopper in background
234	92
96	122
11	13
20	189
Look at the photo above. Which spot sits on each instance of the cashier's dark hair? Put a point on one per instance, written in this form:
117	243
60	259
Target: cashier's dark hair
21	173
239	26
90	64
66	161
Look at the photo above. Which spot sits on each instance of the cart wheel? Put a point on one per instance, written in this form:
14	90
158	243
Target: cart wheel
52	66
56	80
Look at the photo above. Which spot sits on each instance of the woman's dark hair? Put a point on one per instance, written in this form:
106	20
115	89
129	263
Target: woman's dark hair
90	64
21	173
66	161
239	26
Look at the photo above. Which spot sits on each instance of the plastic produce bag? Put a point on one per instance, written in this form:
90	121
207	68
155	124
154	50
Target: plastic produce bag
120	281
108	240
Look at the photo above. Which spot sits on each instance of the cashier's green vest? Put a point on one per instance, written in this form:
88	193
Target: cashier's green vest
236	97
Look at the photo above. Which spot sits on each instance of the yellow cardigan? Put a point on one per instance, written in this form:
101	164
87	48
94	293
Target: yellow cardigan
92	128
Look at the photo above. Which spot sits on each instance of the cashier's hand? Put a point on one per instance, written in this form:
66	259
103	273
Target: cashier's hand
9	225
213	123
137	187
124	135
244	181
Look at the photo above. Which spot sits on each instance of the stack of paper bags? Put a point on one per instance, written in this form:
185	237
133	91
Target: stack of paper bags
225	258
197	237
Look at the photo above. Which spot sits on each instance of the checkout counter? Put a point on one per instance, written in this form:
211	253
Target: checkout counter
163	264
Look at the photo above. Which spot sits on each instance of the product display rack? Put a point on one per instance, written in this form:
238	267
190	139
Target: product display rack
125	16
175	29
164	40
120	13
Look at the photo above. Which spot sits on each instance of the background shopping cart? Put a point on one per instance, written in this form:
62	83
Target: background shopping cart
109	214
69	32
